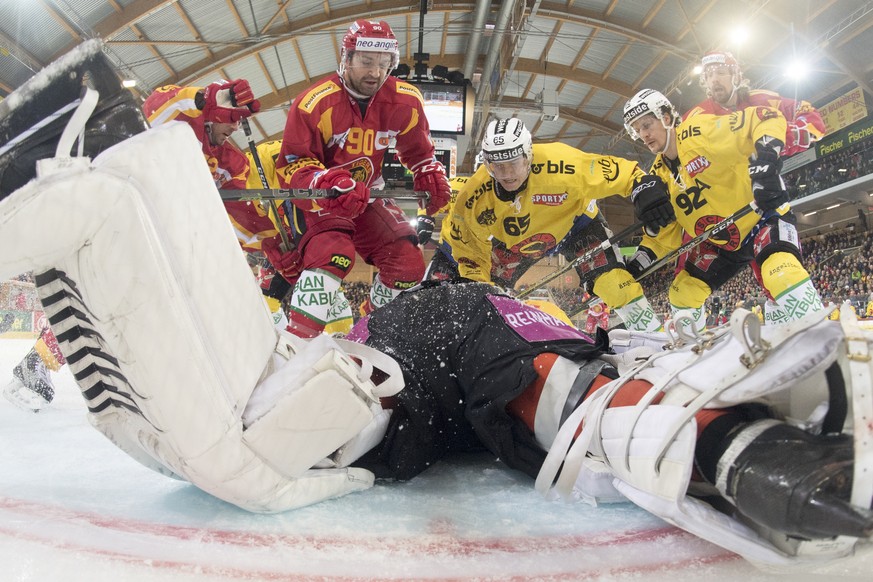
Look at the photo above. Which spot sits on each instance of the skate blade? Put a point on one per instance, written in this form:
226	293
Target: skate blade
24	398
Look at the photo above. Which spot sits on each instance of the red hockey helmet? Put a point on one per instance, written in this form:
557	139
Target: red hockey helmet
369	35
719	58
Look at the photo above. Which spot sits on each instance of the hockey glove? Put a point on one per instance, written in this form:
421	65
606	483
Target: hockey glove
350	198
424	228
229	102
288	264
764	168
652	203
431	177
641	260
798	135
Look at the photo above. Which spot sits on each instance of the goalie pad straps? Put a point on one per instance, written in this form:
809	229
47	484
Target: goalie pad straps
862	407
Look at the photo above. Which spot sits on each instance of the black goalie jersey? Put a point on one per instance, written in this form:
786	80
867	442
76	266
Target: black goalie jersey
466	350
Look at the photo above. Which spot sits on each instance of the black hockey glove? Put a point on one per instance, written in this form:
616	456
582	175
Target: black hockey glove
764	168
641	260
652	203
424	228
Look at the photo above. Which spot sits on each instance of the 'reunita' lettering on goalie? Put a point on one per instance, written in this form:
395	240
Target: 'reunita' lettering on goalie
521	319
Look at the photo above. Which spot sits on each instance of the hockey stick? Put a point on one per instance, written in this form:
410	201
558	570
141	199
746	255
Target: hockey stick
702	237
582	258
309	194
247	129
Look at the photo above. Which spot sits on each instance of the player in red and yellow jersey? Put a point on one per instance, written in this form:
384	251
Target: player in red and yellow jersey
728	91
214	113
336	137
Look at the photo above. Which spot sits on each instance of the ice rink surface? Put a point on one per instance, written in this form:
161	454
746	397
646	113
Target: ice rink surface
75	508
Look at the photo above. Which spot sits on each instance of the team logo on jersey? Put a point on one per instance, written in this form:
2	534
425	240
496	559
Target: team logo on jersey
737	120
385	139
697	165
534	247
765	113
455	233
728	239
361	169
487	217
609	168
549	199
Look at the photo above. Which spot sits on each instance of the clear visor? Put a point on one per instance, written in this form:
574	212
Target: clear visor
384	61
515	168
718	70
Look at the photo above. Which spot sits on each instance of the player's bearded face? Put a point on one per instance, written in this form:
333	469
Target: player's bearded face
719	82
366	71
652	132
510	174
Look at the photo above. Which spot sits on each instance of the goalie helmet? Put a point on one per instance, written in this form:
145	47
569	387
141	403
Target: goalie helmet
369	35
505	140
648	102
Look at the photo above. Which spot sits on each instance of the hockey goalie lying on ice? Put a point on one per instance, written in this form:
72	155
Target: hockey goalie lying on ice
758	440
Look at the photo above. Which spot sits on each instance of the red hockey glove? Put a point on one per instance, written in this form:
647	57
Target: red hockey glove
287	264
431	177
351	197
229	102
798	135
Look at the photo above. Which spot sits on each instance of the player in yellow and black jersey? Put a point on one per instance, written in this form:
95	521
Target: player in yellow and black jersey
714	165
528	201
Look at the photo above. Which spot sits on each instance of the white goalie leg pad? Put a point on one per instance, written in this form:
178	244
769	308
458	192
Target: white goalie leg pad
312	408
748	361
185	340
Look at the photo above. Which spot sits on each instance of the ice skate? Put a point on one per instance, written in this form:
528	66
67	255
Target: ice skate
31	387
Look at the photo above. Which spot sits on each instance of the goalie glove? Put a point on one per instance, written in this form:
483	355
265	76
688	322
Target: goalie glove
424	228
229	102
430	177
764	168
652	203
351	197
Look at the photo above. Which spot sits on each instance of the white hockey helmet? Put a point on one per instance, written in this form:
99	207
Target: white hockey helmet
648	102
505	140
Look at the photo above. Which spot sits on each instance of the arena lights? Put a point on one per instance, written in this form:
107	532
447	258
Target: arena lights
128	83
796	70
739	35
